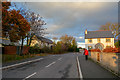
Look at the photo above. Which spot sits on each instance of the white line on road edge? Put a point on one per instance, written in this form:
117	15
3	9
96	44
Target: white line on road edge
29	76
50	64
79	69
59	58
21	63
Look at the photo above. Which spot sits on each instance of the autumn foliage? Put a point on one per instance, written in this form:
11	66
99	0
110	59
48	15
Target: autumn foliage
114	50
95	50
14	25
108	50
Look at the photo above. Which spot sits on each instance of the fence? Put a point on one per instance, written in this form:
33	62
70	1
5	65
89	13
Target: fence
14	50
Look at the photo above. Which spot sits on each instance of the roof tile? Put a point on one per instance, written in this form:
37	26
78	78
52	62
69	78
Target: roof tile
99	34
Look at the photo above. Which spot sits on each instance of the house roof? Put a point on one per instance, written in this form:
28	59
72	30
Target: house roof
45	40
3	41
99	34
8	42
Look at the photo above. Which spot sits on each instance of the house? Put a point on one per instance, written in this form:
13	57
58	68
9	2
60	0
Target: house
9	47
5	41
41	42
98	39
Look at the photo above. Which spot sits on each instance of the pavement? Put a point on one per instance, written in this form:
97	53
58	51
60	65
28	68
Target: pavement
58	67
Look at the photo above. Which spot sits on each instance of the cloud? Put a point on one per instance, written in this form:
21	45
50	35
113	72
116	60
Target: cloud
73	18
64	0
53	27
81	37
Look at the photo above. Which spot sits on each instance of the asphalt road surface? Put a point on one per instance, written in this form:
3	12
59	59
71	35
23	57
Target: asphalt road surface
58	66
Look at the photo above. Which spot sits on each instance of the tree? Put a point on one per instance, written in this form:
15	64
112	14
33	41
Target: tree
58	48
66	39
74	44
68	42
36	23
5	18
114	27
54	38
15	26
117	44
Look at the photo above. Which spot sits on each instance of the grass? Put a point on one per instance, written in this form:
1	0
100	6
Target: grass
10	58
42	54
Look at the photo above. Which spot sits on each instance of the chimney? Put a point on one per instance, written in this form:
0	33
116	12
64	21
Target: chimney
86	31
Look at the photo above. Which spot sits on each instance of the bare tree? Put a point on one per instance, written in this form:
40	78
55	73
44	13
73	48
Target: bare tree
54	38
111	26
36	23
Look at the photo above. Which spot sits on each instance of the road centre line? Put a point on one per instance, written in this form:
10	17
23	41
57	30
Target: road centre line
59	58
79	69
21	63
30	76
50	64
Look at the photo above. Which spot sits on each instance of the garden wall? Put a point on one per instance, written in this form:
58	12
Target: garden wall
110	61
14	50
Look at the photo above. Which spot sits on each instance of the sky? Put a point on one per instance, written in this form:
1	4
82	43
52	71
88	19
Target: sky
73	18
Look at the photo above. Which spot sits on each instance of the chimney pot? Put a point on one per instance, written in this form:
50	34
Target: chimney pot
86	31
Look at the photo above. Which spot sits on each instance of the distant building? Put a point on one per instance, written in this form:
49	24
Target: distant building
41	41
98	39
82	45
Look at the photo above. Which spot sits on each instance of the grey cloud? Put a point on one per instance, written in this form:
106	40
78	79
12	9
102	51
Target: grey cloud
70	17
66	16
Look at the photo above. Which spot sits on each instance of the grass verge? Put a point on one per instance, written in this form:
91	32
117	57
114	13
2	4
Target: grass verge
9	58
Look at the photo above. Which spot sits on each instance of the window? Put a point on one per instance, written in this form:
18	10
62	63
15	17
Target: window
98	40
108	46
108	40
89	47
90	40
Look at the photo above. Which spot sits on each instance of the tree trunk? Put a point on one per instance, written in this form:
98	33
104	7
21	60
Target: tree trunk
27	40
21	52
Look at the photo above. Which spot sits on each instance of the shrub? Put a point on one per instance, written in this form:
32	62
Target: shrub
46	49
111	49
34	50
117	44
95	50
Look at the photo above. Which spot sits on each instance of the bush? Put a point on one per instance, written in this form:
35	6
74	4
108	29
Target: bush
117	44
111	49
34	50
57	48
95	50
46	49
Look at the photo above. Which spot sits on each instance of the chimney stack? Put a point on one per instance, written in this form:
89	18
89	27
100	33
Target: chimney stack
86	31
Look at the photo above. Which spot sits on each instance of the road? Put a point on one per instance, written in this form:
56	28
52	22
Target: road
58	66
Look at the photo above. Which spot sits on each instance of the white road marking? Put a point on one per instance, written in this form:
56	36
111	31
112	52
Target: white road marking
29	76
21	63
50	64
59	58
79	69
